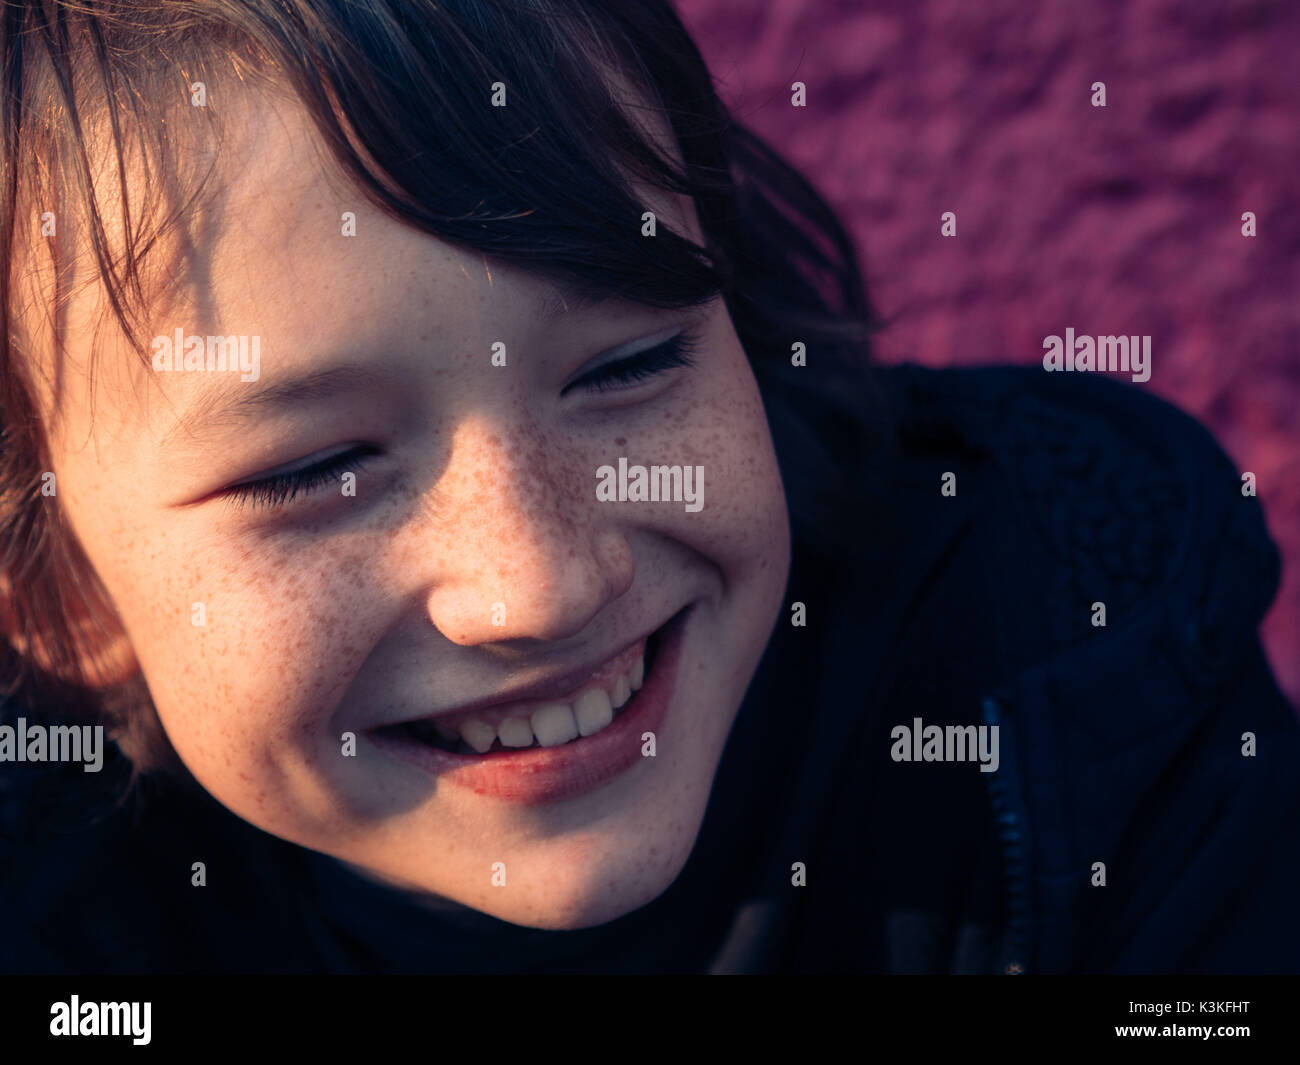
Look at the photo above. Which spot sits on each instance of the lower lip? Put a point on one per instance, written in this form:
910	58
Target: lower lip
551	774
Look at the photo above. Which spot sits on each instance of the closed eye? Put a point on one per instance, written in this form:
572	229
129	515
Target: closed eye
676	351
279	489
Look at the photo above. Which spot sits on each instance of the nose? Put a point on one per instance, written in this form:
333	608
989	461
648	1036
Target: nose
523	550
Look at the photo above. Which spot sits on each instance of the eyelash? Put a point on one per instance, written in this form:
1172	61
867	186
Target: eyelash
674	352
271	492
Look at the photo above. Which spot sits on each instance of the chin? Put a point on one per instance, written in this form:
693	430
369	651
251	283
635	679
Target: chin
569	897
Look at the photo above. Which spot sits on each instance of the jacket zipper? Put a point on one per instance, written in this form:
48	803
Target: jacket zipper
1008	809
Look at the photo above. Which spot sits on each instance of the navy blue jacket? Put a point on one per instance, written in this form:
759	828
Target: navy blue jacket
1123	744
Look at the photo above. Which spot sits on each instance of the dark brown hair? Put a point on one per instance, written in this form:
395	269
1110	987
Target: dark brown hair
400	93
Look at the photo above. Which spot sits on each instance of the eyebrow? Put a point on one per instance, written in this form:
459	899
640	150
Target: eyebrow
570	298
220	408
573	297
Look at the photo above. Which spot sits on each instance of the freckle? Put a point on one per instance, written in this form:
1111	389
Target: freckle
621	441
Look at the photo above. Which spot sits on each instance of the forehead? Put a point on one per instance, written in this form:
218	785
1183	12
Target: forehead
278	239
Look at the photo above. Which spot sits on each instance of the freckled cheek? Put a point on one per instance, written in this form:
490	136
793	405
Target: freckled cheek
742	524
744	517
243	660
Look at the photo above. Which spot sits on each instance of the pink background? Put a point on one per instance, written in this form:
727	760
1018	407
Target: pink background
1122	219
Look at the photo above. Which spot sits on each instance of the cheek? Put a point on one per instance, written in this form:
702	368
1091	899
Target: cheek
721	428
242	650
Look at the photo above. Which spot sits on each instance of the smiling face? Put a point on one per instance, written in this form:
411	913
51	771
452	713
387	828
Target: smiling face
469	561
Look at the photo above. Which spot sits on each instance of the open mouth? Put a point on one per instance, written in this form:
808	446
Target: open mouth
556	748
587	711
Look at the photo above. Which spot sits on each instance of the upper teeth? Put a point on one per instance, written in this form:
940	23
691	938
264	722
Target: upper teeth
554	723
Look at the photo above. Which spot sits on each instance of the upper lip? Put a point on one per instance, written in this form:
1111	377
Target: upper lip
552	686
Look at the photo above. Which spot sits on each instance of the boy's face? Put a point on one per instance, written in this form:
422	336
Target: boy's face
471	559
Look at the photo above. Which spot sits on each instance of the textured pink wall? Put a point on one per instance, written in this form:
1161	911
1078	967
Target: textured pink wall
1115	220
